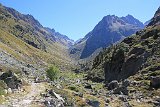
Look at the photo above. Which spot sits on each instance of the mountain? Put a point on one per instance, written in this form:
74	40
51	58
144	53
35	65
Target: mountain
63	39
131	20
147	22
111	29
133	64
155	19
24	40
136	57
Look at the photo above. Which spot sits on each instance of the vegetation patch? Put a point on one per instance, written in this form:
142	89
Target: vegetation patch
53	73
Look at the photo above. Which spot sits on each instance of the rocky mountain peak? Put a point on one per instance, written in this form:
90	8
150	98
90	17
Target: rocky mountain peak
110	19
131	20
109	30
156	19
157	12
27	18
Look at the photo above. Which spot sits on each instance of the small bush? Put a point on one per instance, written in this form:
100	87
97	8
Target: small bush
2	87
74	88
52	73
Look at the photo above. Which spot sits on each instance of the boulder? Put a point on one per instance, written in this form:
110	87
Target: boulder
125	83
128	40
155	82
56	96
113	84
11	80
136	51
121	90
52	102
78	94
88	86
126	104
93	103
123	98
9	91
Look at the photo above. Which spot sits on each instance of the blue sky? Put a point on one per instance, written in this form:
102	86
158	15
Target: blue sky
75	18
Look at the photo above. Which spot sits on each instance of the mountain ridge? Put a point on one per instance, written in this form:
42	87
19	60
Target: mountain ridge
31	35
108	31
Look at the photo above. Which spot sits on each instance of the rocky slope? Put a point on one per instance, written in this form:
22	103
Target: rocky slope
137	59
124	75
108	31
24	41
26	50
139	52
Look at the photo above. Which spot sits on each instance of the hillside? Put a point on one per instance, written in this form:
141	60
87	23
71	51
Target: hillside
117	64
137	59
110	30
23	41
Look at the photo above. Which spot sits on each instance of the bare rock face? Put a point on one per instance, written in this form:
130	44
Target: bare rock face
155	82
119	67
109	30
156	19
11	80
114	66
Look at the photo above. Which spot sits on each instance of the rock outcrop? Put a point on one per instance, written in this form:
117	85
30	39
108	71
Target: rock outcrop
139	52
155	82
11	80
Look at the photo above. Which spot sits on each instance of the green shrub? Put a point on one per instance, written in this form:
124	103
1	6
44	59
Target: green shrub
74	88
52	73
2	87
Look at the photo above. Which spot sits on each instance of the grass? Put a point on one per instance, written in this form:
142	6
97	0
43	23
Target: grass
70	87
53	73
3	86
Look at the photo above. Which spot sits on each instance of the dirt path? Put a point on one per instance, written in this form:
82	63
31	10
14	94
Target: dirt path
30	98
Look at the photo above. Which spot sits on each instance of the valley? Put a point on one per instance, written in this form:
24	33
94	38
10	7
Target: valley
117	64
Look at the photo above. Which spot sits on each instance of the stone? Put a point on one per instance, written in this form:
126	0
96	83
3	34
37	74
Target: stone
53	102
11	80
126	104
155	82
113	84
128	40
88	86
5	91
9	91
56	95
126	83
123	98
78	94
93	103
158	99
156	103
121	90
136	51
107	101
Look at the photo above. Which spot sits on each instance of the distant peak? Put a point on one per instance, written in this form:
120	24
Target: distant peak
129	16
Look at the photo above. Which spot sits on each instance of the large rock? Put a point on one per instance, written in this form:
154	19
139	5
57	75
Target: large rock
114	66
113	84
121	67
155	82
56	96
52	102
88	86
125	83
121	90
93	103
11	80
